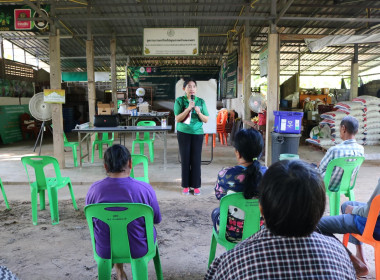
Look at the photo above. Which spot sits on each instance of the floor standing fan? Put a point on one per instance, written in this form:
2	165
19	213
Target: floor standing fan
40	111
257	103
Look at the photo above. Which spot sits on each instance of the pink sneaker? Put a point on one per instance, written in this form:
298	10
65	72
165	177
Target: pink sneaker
185	191
197	191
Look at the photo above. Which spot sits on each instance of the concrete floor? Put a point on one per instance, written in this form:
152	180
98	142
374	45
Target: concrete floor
165	181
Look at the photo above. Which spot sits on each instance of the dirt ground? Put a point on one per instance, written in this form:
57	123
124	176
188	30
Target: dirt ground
64	251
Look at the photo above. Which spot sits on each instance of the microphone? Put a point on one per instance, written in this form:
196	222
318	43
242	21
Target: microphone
192	99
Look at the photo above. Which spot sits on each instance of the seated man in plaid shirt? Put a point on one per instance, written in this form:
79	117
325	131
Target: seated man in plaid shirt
292	201
348	148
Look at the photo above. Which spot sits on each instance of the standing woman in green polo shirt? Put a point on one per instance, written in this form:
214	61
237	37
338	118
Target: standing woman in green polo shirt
190	113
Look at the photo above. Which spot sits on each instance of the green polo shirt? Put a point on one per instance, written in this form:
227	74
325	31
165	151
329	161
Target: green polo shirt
195	126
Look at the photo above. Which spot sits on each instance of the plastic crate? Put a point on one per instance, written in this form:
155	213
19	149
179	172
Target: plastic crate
287	121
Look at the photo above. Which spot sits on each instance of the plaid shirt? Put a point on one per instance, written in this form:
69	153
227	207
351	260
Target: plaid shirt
348	148
267	256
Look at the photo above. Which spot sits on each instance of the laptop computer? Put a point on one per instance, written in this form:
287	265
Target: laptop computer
106	120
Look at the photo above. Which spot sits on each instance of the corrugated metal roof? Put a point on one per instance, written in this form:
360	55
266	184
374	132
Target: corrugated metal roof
126	19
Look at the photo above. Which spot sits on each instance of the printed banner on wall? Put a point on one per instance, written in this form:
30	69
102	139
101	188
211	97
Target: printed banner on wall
16	88
232	64
10	130
171	41
11	18
228	77
163	79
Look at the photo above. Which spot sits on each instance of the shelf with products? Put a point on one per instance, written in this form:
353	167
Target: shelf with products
325	98
133	98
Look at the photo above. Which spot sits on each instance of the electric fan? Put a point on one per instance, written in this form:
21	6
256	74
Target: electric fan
40	111
257	103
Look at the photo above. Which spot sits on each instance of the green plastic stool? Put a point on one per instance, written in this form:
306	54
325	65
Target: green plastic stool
118	219
350	166
251	221
140	159
4	195
146	140
100	142
50	184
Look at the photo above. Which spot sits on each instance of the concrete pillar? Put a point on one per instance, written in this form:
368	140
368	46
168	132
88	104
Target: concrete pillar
354	73
273	91
247	72
55	83
2	74
90	79
113	73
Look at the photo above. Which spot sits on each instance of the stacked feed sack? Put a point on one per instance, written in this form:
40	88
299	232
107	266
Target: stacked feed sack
372	110
334	118
357	110
321	136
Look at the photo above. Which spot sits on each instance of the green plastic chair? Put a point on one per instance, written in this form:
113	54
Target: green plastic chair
140	159
117	220
50	184
146	140
100	142
251	221
73	146
350	166
4	195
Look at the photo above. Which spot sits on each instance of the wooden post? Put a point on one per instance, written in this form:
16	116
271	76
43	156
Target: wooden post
55	83
247	70
113	73
354	73
2	66
273	91
90	79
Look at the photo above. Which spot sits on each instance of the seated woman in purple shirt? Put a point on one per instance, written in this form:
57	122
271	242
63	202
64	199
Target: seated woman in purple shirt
118	186
244	177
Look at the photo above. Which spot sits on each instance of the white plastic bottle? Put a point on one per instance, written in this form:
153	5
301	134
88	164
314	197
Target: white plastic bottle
163	122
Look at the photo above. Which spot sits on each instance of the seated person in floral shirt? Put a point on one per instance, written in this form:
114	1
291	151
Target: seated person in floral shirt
244	177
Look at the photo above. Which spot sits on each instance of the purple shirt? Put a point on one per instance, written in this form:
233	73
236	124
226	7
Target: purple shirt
113	190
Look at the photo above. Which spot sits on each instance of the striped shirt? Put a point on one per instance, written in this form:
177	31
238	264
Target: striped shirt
348	148
267	256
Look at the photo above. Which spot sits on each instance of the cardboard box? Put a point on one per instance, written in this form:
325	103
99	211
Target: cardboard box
104	108
144	108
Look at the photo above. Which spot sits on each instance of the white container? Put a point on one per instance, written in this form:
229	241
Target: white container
163	122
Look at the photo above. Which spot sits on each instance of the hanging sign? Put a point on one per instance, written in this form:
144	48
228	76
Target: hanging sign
54	96
171	41
12	18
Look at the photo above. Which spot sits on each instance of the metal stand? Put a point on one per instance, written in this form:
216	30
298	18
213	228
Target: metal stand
41	136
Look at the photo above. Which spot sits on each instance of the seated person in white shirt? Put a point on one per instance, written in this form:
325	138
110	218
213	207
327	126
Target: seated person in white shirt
348	148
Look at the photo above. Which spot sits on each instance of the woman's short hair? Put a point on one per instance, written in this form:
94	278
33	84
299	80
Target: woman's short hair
116	158
292	198
188	80
351	124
